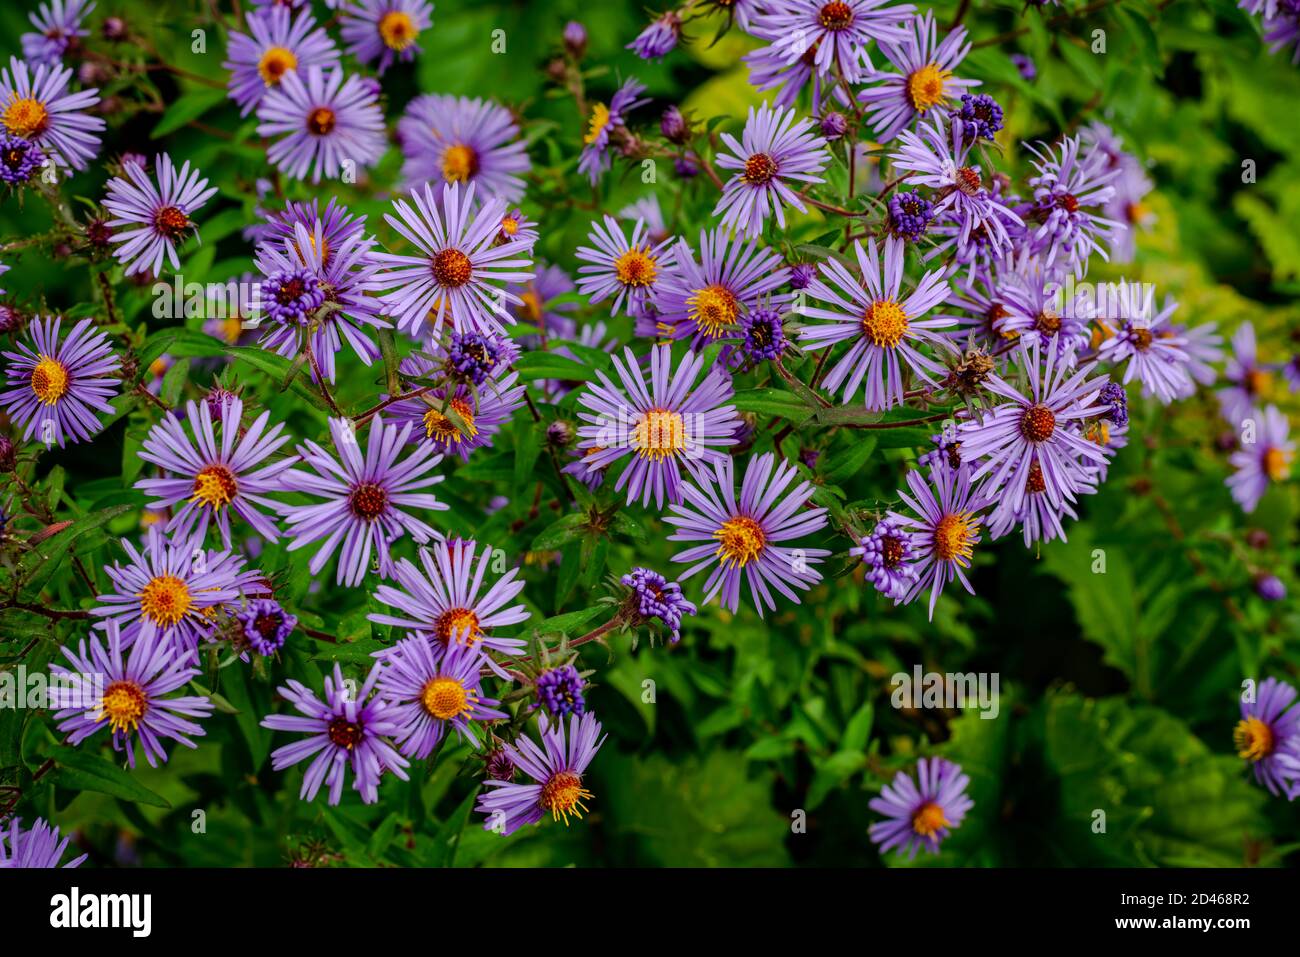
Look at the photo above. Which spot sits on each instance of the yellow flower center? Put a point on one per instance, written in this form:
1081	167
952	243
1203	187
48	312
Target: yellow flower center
925	86
461	622
636	267
459	163
215	486
275	63
49	380
509	226
24	116
439	427
321	121
954	538
563	795
884	323
124	704
1277	463
230	329
659	434
713	308
1259	383
928	819
1253	739
532	306
165	600
397	29
741	540
596	125
444	698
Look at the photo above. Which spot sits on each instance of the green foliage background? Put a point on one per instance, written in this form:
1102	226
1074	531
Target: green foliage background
1119	690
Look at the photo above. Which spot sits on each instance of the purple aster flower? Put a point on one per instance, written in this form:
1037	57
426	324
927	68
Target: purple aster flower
1268	736
1113	395
980	114
369	500
39	846
889	554
776	149
741	535
705	301
606	122
556	769
433	687
39	108
385	30
921	813
1025	65
833	125
460	271
329	123
266	625
306	274
1009	439
624	269
884	331
1035	310
337	227
150	220
946	452
658	39
1270	588
476	414
559	691
172	587
592	478
455	139
1038	517
126	693
1282	28
349	729
1071	190
58	27
802	275
1267	459
443	603
663	425
19	159
657	597
57	386
940	159
830	34
475	357
1251	380
212	476
910	215
762	334
1151	347
980	250
924	79
278	45
1127	207
945	524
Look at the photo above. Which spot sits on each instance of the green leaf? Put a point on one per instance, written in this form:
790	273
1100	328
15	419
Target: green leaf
548	365
86	771
570	528
187	108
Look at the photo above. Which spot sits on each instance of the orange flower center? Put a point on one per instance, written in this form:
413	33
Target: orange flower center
25	116
165	600
275	63
741	540
563	795
50	380
452	268
884	323
124	704
1253	739
215	486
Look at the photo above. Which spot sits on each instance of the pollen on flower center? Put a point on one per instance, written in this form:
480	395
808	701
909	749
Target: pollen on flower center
368	501
1277	463
215	486
563	795
275	63
713	308
891	551
1142	339
397	30
884	323
1253	739
741	541
1068	202
49	380
659	434
452	268
596	126
954	538
165	600
1047	322
171	222
460	622
124	704
344	733
636	267
925	86
444	698
321	121
25	116
439	427
759	169
967	179
928	819
459	163
1037	423
836	16
1034	482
